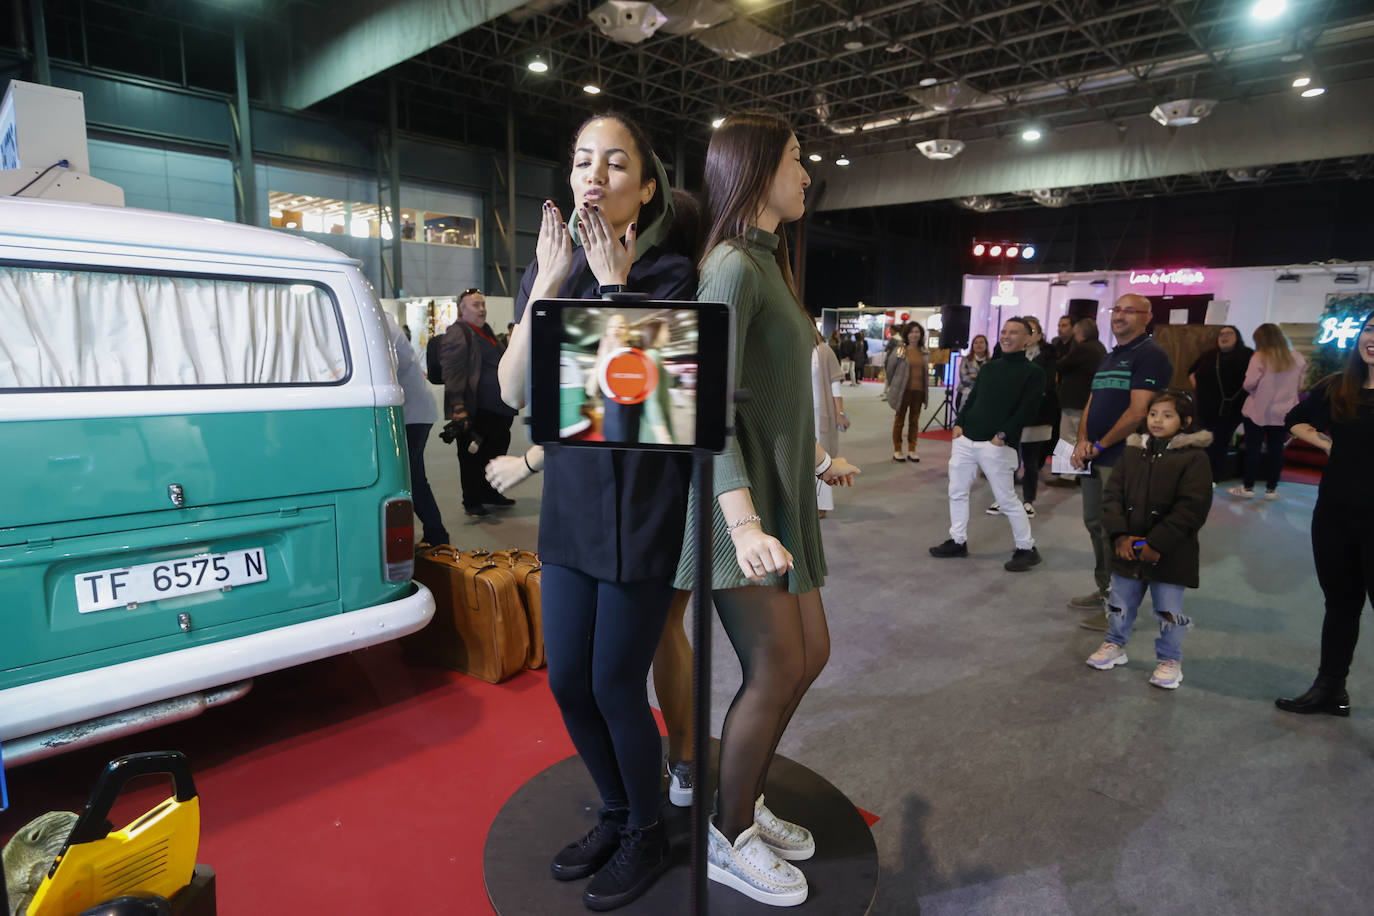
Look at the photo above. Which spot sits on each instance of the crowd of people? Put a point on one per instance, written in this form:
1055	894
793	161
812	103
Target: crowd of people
613	524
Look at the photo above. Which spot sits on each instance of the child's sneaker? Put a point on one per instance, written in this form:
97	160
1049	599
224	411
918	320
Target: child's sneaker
785	838
680	784
1107	656
1168	674
749	866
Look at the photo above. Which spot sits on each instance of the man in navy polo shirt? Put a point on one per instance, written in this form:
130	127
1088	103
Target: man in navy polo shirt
1119	400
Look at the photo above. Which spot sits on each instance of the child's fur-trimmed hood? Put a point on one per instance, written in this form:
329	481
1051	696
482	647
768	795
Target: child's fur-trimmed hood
1200	439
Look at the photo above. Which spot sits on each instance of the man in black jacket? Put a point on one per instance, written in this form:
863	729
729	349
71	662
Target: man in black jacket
470	354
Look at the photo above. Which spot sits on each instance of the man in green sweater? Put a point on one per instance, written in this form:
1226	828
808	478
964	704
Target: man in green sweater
1005	397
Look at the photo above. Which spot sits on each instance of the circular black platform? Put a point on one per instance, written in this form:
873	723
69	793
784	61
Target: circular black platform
557	806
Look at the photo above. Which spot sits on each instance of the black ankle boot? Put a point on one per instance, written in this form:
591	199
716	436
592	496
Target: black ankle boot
587	855
643	855
1325	695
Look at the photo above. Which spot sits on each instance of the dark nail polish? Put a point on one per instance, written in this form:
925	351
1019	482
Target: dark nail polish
634	227
596	208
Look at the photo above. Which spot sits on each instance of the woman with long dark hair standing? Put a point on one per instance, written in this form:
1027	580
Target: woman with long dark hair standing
1338	418
1218	377
768	563
611	522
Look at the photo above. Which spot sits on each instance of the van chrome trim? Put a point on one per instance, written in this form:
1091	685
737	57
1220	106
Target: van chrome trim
48	704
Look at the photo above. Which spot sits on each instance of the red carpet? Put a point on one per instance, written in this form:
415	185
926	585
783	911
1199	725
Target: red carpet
360	784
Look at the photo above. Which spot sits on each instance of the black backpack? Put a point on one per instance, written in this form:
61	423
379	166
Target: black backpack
434	370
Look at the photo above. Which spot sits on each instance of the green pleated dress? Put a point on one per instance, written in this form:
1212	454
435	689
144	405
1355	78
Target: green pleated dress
774	447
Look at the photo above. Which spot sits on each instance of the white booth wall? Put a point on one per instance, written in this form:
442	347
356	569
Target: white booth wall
1252	294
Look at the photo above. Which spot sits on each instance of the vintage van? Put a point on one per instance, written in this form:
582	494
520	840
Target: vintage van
204	468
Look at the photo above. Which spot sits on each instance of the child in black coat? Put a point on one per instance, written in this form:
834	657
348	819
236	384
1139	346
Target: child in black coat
1155	501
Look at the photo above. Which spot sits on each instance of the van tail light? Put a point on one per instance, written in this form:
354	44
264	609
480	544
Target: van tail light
398	540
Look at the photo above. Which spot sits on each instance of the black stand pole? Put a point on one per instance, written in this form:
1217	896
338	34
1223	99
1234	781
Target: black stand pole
703	463
945	412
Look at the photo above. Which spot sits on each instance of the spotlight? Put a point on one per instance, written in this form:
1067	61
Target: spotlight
1268	9
1287	277
1030	134
843	160
1313	92
979	250
716	122
815	157
1028	252
538	64
1012	251
592	89
1302	82
995	251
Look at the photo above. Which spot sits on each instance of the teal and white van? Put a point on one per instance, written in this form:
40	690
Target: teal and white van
204	468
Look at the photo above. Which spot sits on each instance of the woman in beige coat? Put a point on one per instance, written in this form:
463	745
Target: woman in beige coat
828	408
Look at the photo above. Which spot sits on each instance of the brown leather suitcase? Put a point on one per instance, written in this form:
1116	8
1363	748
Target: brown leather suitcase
525	565
480	626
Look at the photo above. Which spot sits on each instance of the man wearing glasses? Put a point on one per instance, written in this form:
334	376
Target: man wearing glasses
1119	400
469	355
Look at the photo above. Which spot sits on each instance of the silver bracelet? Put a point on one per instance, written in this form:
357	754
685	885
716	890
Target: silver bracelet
740	522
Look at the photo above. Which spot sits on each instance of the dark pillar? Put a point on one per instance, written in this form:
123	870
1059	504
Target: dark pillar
42	73
248	185
394	159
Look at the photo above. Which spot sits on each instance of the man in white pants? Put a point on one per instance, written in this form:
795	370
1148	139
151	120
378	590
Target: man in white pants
1005	397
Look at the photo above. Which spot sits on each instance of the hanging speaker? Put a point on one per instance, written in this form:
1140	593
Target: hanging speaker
954	326
1083	308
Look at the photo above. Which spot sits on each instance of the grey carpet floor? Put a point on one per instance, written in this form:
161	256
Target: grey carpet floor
1010	778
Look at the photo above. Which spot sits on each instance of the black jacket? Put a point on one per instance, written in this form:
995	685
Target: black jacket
1162	495
1220	382
1076	370
1048	412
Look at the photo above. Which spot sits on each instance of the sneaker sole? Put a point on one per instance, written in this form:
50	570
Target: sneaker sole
1166	685
792	855
1110	664
736	883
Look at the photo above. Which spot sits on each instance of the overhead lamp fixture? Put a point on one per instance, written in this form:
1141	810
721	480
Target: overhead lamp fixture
1059	281
815	157
1313	91
1265	10
1028	252
995	251
843	160
853	44
1030	134
928	82
1346	278
538	64
940	148
1287	277
1182	112
1292	57
716	122
1012	251
1302	82
979	250
1099	282
592	89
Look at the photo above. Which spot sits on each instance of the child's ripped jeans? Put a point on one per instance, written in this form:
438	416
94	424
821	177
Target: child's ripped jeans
1167	603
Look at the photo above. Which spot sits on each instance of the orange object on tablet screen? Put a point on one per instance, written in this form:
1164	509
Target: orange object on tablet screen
629	376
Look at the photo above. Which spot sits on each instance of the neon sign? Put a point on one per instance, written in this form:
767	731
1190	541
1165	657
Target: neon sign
1006	294
1339	331
1161	277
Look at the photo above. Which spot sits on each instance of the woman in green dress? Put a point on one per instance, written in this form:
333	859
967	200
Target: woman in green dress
768	564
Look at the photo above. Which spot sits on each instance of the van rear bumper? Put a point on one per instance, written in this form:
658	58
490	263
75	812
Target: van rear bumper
45	705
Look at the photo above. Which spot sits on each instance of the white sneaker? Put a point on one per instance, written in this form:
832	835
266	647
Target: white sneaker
752	868
680	784
785	838
994	509
1030	509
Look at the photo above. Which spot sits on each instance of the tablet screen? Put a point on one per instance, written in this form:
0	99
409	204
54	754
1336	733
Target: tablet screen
643	374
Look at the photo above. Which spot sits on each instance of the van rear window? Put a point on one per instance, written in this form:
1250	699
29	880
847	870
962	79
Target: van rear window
94	329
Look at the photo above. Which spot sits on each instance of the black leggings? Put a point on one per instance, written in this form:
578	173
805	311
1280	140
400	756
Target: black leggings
1222	429
599	638
1343	549
1273	438
782	643
1033	455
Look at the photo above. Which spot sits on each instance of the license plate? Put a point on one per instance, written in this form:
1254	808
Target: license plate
133	585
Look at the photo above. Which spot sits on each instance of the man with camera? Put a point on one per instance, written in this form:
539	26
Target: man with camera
479	421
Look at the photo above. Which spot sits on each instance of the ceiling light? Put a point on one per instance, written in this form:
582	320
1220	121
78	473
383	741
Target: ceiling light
1099	282
843	160
928	82
1292	57
1268	9
815	157
995	251
1346	278
1287	277
592	89
1030	134
853	44
716	122
1182	112
941	148
1302	81
979	249
1313	92
538	64
1028	252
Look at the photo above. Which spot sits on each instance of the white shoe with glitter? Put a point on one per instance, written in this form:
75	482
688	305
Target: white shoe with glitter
785	838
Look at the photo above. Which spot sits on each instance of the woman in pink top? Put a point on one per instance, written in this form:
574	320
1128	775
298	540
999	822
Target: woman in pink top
1272	379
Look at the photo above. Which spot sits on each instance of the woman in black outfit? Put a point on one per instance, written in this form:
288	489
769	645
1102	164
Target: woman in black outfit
1045	424
1338	417
611	521
1218	377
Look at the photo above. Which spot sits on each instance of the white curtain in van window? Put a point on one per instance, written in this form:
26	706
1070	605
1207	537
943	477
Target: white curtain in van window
86	329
